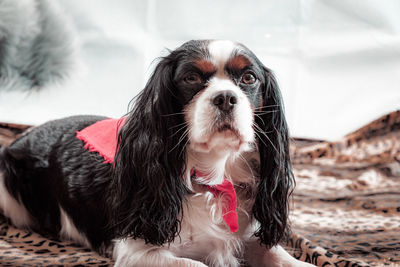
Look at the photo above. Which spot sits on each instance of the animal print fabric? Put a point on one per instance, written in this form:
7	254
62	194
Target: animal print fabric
346	205
24	248
347	198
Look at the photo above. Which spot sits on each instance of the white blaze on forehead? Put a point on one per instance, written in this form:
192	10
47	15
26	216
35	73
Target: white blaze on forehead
221	51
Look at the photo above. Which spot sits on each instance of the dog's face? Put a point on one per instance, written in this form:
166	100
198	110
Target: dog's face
205	97
219	84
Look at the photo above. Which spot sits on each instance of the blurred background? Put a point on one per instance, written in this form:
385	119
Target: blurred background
337	62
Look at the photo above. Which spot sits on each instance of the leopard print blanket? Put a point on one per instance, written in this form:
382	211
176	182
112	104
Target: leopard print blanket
347	198
346	205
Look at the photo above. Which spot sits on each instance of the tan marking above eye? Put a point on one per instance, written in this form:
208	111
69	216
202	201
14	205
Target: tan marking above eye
205	66
238	62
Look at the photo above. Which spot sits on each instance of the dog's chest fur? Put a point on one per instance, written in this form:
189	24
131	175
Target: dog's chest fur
204	235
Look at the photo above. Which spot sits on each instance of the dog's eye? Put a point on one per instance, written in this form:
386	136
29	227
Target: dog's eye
248	78
193	78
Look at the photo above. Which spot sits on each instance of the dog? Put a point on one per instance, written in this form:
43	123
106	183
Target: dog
197	174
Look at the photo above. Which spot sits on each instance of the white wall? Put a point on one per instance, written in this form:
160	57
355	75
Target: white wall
338	62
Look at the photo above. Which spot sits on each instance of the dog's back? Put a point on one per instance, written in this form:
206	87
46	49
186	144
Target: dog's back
38	189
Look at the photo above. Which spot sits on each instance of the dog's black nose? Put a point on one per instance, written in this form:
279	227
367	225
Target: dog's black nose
225	100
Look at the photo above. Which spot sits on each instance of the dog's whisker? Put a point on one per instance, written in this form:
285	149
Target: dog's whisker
180	124
258	116
268	106
180	129
265	112
180	139
266	136
259	128
173	114
260	138
247	164
177	132
184	147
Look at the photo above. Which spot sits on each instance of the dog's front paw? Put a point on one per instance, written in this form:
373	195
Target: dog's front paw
132	261
298	263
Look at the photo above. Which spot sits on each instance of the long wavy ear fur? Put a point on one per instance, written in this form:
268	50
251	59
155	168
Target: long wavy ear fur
147	188
276	183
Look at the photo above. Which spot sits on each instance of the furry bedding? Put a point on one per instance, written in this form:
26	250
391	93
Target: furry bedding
346	205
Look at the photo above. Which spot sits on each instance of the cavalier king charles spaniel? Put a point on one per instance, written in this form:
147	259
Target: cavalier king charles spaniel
197	174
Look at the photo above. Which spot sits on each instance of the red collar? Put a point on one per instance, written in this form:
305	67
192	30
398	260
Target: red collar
102	137
226	189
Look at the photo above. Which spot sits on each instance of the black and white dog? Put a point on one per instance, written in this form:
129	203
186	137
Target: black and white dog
201	174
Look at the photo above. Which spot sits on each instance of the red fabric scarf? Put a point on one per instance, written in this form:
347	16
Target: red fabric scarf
102	137
226	190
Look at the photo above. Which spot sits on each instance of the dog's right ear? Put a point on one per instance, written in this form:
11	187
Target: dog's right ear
147	188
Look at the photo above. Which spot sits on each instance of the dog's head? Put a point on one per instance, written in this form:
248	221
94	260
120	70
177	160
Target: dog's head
208	97
221	88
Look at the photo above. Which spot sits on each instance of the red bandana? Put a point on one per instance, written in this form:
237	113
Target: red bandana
102	137
229	213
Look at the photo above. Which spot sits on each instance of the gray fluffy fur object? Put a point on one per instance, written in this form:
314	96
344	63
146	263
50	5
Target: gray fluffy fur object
37	44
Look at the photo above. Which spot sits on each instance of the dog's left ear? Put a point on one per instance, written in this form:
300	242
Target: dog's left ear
147	189
271	207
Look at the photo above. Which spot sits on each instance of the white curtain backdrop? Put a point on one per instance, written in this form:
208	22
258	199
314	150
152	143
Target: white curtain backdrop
337	62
